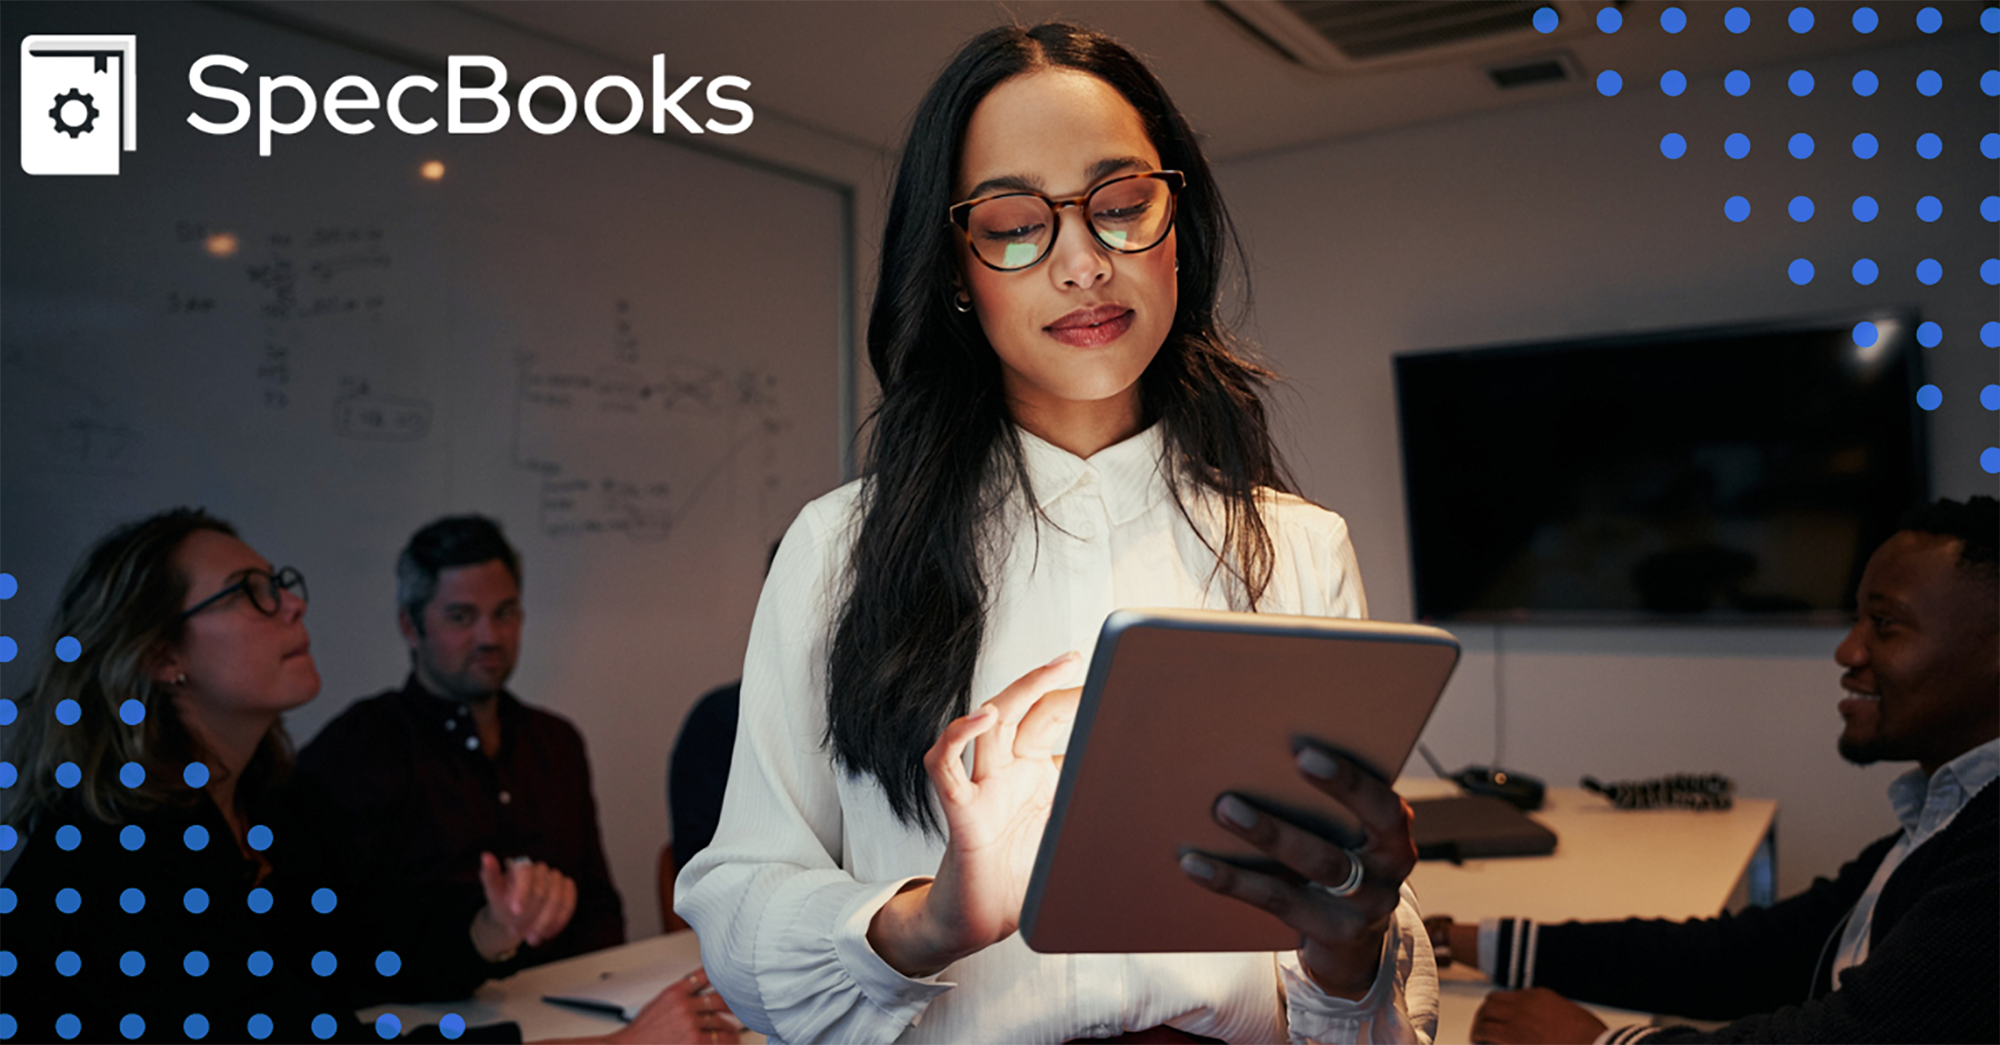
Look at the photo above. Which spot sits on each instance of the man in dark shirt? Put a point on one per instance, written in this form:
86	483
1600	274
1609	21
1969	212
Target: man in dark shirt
451	775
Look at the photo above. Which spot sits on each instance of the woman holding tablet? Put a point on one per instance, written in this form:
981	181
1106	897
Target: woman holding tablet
1064	430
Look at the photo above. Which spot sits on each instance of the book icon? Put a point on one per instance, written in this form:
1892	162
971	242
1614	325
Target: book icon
77	103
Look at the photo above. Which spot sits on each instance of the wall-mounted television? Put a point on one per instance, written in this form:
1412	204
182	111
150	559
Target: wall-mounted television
1723	474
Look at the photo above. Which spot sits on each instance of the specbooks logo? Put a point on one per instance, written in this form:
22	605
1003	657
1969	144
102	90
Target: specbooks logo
77	111
77	102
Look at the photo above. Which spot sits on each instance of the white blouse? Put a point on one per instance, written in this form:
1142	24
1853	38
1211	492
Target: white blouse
806	854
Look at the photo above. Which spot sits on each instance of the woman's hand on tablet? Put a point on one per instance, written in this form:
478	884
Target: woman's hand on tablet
994	815
1348	900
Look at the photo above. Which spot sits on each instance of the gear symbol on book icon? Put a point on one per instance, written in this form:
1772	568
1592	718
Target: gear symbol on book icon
74	129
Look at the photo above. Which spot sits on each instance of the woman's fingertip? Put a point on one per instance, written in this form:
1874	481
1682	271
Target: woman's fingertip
1197	867
1317	763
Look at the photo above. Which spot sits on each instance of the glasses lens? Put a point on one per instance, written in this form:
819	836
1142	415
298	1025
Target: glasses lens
1132	214
1010	232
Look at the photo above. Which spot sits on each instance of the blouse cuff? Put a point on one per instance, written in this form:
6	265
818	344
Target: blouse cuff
1314	1015
887	988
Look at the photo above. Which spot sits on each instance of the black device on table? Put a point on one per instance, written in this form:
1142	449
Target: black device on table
1516	789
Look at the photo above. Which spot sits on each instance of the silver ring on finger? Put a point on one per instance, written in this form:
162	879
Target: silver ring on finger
1349	887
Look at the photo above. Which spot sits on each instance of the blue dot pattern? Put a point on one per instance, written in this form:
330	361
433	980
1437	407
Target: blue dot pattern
1929	20
132	836
132	901
68	838
1801	208
131	963
1989	20
1929	146
1989	459
8	774
1737	20
68	1026
1989	271
1930	208
1929	397
1989	335
1929	83
1736	209
1801	20
68	775
1673	146
1929	334
1737	146
7	712
324	901
1865	146
1865	272
1546	20
388	1026
68	900
1989	82
260	1026
260	963
196	1026
6	1026
1801	83
68	963
1672	83
7	963
1801	145
1989	146
1737	83
1801	272
132	774
196	837
196	963
8	586
8	838
324	1025
195	775
1865	20
324	963
260	900
1865	83
67	712
1609	82
1929	272
259	837
7	900
1989	397
1609	20
453	1024
9	649
1865	208
388	963
131	712
196	900
68	649
132	1026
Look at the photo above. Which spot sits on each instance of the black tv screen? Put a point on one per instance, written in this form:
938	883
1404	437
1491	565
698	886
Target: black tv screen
1741	473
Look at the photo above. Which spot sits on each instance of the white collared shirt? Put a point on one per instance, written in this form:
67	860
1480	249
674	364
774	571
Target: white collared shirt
806	855
1924	806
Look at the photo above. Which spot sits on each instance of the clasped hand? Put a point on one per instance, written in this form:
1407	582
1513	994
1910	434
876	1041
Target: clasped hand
526	902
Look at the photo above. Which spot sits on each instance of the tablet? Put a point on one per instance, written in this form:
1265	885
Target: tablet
1182	705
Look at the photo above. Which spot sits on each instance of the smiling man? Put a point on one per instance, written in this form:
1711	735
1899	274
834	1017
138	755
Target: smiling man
1902	945
453	778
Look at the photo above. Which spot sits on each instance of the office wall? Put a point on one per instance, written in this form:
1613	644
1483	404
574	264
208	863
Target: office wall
1565	220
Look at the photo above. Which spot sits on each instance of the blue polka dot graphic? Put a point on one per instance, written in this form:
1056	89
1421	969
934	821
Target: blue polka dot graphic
1546	20
1930	208
1865	83
67	712
1801	209
1989	146
68	964
1989	82
68	775
1801	145
324	963
1929	20
1801	83
1989	270
8	650
68	838
7	963
1929	272
388	1026
1929	334
195	775
1865	272
131	712
1673	19
1609	20
131	963
1989	335
1865	20
1865	334
8	837
1929	397
1737	20
7	900
68	900
133	1026
68	1026
1989	459
196	837
131	836
1929	83
1673	146
68	649
7	711
1737	146
260	900
1672	83
1989	19
1865	146
131	774
1737	208
195	1026
324	1025
259	837
6	1026
388	964
8	774
1929	146
260	963
196	963
260	1026
8	586
1737	83
132	901
195	900
324	901
1989	397
1608	82
1801	20
453	1024
1801	272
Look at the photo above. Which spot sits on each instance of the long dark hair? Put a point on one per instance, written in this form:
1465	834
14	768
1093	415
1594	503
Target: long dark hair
123	604
943	457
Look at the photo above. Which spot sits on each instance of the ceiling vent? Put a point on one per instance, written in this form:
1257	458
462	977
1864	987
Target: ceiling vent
1358	36
1557	68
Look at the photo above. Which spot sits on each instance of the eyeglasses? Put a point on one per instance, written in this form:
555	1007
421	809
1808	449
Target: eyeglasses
266	591
1016	230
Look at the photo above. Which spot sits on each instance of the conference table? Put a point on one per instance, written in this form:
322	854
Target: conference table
1608	863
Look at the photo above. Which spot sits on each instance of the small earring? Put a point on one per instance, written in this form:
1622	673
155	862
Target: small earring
1177	266
962	301
180	680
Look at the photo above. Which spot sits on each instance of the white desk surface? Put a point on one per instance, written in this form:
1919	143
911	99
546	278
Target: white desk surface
519	997
1609	863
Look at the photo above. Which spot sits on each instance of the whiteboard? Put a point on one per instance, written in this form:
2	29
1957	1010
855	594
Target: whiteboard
626	350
